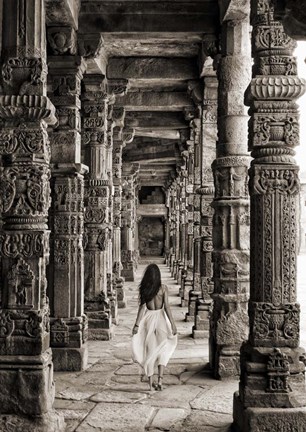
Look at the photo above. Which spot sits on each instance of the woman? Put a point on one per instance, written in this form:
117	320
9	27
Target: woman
154	333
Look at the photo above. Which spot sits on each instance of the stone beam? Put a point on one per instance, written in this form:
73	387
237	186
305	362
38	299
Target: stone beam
62	12
152	210
158	133
160	120
117	16
152	68
157	101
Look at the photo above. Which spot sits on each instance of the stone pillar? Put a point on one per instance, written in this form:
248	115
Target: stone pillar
111	289
66	269
187	282
205	193
172	215
96	218
182	236
130	173
118	145
166	222
26	369
272	364
229	323
195	292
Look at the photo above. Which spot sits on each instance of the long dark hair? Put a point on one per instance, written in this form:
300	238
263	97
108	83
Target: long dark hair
150	284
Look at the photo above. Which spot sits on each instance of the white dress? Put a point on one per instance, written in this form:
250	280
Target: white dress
154	342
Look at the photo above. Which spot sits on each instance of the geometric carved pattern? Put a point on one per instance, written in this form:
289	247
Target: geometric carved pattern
275	325
278	372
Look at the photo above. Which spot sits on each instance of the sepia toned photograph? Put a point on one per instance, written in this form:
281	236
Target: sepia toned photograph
152	215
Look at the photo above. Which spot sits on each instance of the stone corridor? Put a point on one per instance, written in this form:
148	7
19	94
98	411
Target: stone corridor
110	395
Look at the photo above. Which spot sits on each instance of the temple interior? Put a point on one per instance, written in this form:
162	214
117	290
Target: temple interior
139	131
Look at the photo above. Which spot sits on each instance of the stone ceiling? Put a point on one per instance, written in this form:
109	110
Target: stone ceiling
156	48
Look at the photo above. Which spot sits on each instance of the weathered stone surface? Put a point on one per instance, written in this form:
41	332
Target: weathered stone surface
148	101
167	417
152	68
155	120
174	397
207	399
75	394
204	421
270	419
117	396
145	16
51	422
70	359
115	417
132	369
67	404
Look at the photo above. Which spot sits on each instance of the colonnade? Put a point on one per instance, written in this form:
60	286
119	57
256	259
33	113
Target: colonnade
69	223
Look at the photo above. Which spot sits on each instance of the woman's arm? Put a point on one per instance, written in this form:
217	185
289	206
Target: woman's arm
140	313
168	311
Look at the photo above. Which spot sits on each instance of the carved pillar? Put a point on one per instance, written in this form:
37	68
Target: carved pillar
187	280
229	324
97	188
195	292
66	269
26	369
111	290
181	221
118	145
205	193
172	214
130	173
272	364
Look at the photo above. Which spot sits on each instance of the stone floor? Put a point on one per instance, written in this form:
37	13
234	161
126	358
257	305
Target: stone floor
111	395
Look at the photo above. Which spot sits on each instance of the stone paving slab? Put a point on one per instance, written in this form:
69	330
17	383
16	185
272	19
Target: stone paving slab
116	417
76	394
173	397
204	421
134	379
118	396
167	417
218	398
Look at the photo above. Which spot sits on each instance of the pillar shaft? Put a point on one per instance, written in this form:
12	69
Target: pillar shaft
194	216
229	325
96	218
129	198
118	145
26	369
66	269
272	368
205	194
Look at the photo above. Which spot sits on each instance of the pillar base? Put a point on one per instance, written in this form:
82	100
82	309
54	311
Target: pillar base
26	384
50	422
122	304
70	359
100	334
121	300
193	297
114	310
226	365
268	419
201	327
99	325
200	334
128	275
